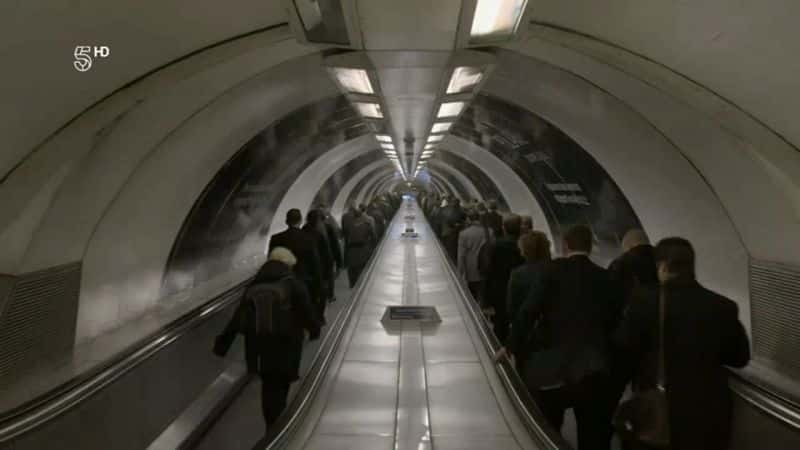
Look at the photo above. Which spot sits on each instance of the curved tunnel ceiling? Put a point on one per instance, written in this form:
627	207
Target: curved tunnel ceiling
661	136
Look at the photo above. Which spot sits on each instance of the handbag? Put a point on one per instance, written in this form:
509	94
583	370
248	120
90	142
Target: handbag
644	418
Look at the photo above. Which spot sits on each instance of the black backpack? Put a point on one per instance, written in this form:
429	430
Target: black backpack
268	309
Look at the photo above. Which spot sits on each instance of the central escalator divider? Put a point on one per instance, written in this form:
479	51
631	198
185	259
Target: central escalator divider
413	414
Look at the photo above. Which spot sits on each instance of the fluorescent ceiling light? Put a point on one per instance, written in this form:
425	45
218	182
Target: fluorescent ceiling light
450	109
429	146
435	138
464	79
495	19
441	127
388	146
354	80
372	110
424	156
383	138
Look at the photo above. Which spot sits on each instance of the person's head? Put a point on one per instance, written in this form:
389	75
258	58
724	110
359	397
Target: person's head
362	207
323	208
674	258
283	255
578	238
294	217
473	215
491	205
634	238
526	224
456	201
511	225
534	246
314	217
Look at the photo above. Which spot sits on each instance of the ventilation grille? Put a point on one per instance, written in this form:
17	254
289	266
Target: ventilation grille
38	319
775	304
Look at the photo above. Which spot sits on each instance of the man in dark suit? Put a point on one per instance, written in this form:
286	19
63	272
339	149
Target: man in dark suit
504	258
303	246
702	335
493	219
565	326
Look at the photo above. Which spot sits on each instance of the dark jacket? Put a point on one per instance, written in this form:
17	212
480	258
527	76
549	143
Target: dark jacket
275	355
521	282
565	324
505	257
320	236
634	269
334	234
360	240
308	266
702	336
494	220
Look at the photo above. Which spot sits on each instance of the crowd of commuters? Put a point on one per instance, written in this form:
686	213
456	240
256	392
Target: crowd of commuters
287	298
579	334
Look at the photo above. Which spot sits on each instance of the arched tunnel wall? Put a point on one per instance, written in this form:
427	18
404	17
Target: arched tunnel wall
640	144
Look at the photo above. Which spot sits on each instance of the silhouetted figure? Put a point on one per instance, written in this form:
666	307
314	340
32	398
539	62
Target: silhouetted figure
562	332
505	257
470	241
273	315
359	241
493	219
702	335
315	227
304	249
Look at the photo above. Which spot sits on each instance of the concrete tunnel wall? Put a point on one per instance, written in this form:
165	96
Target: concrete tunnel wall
669	146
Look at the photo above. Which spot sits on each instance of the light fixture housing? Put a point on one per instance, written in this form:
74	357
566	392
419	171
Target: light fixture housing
354	80
435	138
450	109
370	110
496	20
387	146
383	138
464	79
441	127
429	146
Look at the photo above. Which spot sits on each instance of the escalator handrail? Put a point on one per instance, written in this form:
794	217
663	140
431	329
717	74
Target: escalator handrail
766	398
283	431
527	409
66	396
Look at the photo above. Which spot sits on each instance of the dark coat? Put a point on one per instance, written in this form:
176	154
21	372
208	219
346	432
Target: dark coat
505	257
275	355
520	283
634	269
563	329
334	234
359	241
494	220
702	336
320	236
308	266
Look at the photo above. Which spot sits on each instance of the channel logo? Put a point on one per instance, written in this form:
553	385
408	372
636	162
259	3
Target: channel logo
86	54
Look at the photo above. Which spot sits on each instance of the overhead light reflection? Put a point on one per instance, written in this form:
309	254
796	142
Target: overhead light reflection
496	18
450	109
354	80
464	79
372	110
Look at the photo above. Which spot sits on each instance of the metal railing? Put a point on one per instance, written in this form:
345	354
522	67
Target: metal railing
61	399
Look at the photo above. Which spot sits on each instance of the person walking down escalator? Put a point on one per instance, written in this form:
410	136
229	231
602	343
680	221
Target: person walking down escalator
334	233
701	335
470	241
304	249
563	332
315	227
359	241
273	316
504	258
